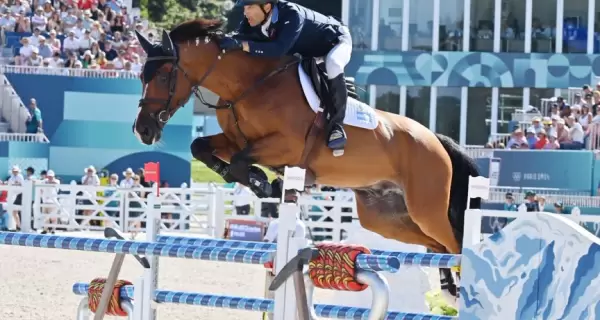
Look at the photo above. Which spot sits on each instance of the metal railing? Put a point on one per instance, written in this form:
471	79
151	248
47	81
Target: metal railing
24	137
81	73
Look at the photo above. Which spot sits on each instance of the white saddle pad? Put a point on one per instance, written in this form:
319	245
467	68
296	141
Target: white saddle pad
358	114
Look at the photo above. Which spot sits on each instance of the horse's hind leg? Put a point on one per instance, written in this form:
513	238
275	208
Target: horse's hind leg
384	212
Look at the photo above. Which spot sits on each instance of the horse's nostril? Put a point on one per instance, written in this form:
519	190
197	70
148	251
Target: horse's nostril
145	131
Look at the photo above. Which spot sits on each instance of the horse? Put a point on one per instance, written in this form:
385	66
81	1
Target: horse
410	184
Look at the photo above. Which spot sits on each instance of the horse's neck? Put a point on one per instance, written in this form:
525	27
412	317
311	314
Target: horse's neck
247	72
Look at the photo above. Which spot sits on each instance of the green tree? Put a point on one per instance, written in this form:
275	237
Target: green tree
167	13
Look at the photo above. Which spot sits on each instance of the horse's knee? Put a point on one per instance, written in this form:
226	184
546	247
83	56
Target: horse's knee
201	149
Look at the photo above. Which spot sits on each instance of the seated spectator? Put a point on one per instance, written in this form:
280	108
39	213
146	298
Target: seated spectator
69	21
35	60
542	140
8	22
119	61
101	61
516	140
554	112
72	59
20	6
71	44
136	65
87	21
531	137
48	10
87	59
85	43
95	50
118	42
128	181
111	53
79	29
23	22
34	39
104	23
39	20
552	142
54	23
585	117
576	135
96	30
56	61
44	49
562	132
54	42
24	52
118	24
536	126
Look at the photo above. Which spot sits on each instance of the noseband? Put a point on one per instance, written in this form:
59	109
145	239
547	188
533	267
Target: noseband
163	115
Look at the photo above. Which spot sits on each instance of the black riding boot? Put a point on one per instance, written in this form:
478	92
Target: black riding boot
336	139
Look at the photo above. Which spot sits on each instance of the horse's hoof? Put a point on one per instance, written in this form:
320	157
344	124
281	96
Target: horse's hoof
261	188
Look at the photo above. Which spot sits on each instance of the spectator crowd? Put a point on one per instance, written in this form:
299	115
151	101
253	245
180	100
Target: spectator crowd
72	34
565	126
51	199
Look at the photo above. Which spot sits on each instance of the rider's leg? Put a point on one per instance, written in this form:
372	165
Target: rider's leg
335	62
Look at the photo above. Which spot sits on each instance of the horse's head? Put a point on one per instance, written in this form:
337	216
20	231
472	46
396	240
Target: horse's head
170	74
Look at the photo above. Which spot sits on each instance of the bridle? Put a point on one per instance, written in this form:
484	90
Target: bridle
163	115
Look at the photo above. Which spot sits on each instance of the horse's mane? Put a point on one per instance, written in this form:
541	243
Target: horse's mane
198	28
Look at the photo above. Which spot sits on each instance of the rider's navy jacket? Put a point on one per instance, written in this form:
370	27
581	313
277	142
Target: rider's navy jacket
292	29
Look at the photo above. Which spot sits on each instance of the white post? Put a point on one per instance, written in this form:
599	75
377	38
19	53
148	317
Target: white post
472	230
285	299
219	213
151	274
138	298
287	249
26	206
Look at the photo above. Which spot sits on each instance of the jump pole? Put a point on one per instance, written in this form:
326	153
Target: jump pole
150	281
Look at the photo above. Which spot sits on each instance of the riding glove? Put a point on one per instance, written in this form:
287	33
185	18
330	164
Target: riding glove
230	44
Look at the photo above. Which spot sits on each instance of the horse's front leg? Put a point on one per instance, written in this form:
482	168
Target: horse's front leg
215	151
271	150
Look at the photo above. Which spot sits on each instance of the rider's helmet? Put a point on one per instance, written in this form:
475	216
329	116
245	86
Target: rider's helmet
241	3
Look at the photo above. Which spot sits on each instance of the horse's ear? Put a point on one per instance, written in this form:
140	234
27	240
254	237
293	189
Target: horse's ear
145	43
167	44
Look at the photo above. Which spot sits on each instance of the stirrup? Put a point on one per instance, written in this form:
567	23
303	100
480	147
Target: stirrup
337	141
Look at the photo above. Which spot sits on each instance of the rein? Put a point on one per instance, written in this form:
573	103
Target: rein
165	114
231	104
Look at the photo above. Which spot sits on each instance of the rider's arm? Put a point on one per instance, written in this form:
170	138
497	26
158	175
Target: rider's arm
244	28
291	28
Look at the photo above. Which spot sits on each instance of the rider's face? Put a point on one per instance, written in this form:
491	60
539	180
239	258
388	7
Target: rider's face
255	14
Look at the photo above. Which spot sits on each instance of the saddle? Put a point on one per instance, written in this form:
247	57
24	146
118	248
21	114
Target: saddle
318	77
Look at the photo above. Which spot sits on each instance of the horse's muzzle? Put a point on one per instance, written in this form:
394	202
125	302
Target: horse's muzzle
147	131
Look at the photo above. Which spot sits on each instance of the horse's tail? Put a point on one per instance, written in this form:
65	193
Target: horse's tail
462	167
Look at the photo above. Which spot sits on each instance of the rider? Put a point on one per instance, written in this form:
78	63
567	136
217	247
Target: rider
285	28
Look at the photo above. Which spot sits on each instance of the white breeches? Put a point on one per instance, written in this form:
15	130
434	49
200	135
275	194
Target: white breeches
337	59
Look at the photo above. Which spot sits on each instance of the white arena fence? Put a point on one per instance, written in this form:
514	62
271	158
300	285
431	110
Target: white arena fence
202	209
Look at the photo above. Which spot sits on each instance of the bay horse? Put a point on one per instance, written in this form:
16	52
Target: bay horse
410	184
